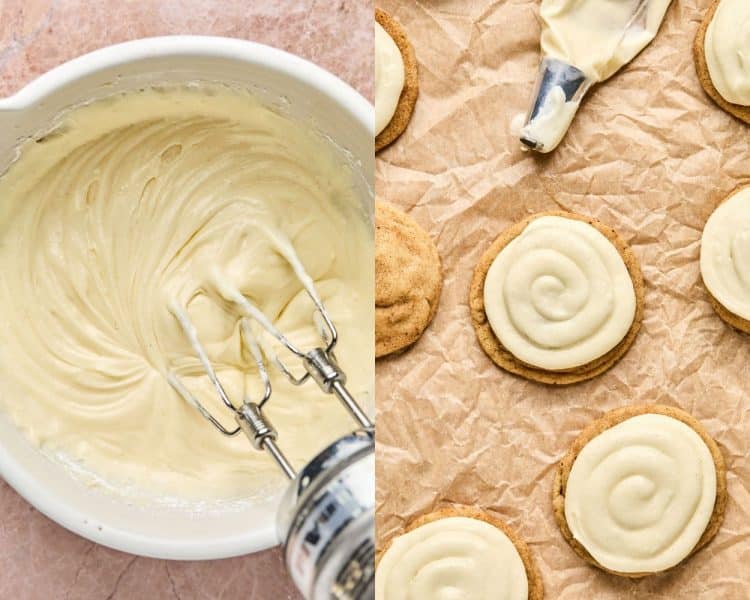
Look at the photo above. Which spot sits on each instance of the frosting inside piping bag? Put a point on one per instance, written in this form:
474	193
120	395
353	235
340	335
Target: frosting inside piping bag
583	42
156	199
599	36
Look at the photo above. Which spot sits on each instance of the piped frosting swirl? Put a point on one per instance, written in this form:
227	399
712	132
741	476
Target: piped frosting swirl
559	295
641	493
452	559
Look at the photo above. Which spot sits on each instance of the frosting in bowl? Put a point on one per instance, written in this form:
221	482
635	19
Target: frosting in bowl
142	202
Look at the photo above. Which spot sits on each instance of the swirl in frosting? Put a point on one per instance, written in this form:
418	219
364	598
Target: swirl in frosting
142	202
559	295
727	50
725	253
452	559
640	494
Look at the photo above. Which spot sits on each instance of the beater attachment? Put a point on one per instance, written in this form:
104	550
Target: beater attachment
319	364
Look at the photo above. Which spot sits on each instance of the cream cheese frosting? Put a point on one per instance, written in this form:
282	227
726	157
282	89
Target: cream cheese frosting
455	558
640	494
559	295
152	200
725	254
727	50
389	78
599	36
553	120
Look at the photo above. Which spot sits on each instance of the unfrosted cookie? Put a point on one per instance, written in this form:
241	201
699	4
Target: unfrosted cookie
459	550
701	62
408	279
725	259
640	490
410	91
573	292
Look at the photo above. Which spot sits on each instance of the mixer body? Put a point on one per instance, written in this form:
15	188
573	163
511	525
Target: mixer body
327	521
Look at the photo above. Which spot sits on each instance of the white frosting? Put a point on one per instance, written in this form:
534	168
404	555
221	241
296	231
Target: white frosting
727	49
516	124
389	78
559	295
725	254
455	558
599	36
552	122
641	494
165	199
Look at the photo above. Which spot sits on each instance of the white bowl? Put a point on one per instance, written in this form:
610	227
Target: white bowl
305	91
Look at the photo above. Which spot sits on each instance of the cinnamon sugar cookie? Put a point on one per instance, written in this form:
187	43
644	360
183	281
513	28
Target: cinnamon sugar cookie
461	547
725	259
640	490
566	298
408	280
401	114
729	35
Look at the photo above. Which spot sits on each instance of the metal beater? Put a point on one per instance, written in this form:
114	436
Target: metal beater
326	515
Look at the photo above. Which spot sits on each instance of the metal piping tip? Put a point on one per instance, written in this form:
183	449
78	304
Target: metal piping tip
558	92
531	144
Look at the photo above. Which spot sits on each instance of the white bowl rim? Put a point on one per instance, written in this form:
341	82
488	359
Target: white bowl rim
108	57
185	45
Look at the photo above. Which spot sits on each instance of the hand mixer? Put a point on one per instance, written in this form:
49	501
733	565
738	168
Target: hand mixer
326	515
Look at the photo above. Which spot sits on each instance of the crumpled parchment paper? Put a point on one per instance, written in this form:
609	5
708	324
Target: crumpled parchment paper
648	154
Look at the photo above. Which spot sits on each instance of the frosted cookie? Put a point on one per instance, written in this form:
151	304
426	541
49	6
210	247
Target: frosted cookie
396	80
557	298
457	552
408	280
725	259
721	50
640	490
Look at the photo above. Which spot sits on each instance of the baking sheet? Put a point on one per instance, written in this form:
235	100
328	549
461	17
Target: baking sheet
648	154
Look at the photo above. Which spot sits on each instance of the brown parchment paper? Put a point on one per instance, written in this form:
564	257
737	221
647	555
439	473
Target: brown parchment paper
648	154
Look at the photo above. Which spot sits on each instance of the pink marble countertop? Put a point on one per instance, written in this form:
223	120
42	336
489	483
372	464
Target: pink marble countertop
39	559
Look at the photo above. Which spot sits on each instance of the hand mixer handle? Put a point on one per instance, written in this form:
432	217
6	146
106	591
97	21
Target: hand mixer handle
326	517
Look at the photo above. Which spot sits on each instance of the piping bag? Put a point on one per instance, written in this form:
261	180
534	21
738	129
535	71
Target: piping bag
584	42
